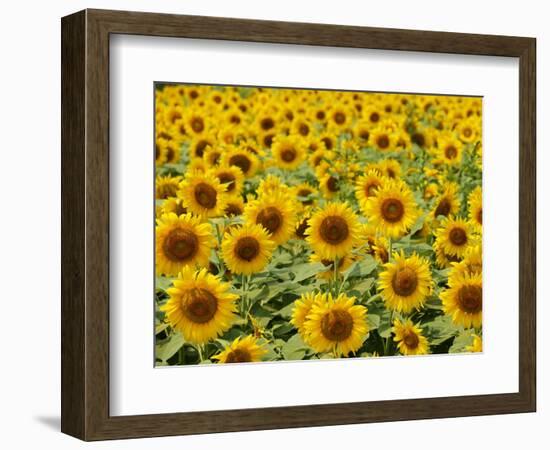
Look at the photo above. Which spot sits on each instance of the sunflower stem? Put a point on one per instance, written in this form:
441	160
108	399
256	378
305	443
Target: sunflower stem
335	275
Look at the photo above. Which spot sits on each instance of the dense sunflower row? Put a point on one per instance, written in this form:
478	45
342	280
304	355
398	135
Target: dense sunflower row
302	224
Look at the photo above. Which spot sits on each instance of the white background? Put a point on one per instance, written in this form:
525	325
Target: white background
137	62
30	125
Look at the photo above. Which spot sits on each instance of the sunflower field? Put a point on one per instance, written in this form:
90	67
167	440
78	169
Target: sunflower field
304	224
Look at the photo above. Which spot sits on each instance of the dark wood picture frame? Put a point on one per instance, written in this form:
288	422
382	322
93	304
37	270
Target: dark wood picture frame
85	224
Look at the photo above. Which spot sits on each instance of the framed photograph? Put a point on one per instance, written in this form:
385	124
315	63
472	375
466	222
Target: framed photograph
273	225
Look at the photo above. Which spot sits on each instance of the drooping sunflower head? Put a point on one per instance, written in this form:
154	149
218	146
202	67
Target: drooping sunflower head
471	264
305	193
288	151
231	177
275	213
333	231
406	282
234	206
200	306
242	350
173	205
454	237
336	325
181	241
447	204
247	249
367	185
475	210
392	210
463	300
409	338
203	194
166	187
342	264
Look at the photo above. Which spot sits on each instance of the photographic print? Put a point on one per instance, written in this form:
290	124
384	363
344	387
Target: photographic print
300	224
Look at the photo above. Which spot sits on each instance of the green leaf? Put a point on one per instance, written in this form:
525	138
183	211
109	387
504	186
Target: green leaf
295	348
167	350
305	271
163	283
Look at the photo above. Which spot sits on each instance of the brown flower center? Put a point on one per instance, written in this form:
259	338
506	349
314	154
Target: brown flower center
470	299
480	216
334	230
451	152
267	124
458	236
404	281
227	178
443	208
199	306
328	143
206	195
392	210
383	142
288	154
180	245
241	161
247	248
232	209
364	134
411	340
332	184
321	115
270	218
305	193
339	118
337	325
199	148
268	140
374	117
303	129
418	139
238	355
467	132
197	124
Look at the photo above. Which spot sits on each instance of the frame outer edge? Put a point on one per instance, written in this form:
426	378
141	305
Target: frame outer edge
73	225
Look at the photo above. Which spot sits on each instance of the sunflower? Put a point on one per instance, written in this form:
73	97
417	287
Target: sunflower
234	206
275	213
454	236
172	152
409	338
330	184
181	241
392	210
195	122
230	176
340	117
203	194
288	151
305	194
242	350
247	249
302	307
450	150
405	283
333	231
199	145
383	140
447	203
367	185
463	300
470	265
270	185
200	305
336	325
167	186
319	156
173	205
212	155
243	159
475	211
343	264
476	346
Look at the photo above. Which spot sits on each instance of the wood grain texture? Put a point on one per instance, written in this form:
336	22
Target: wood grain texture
85	224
